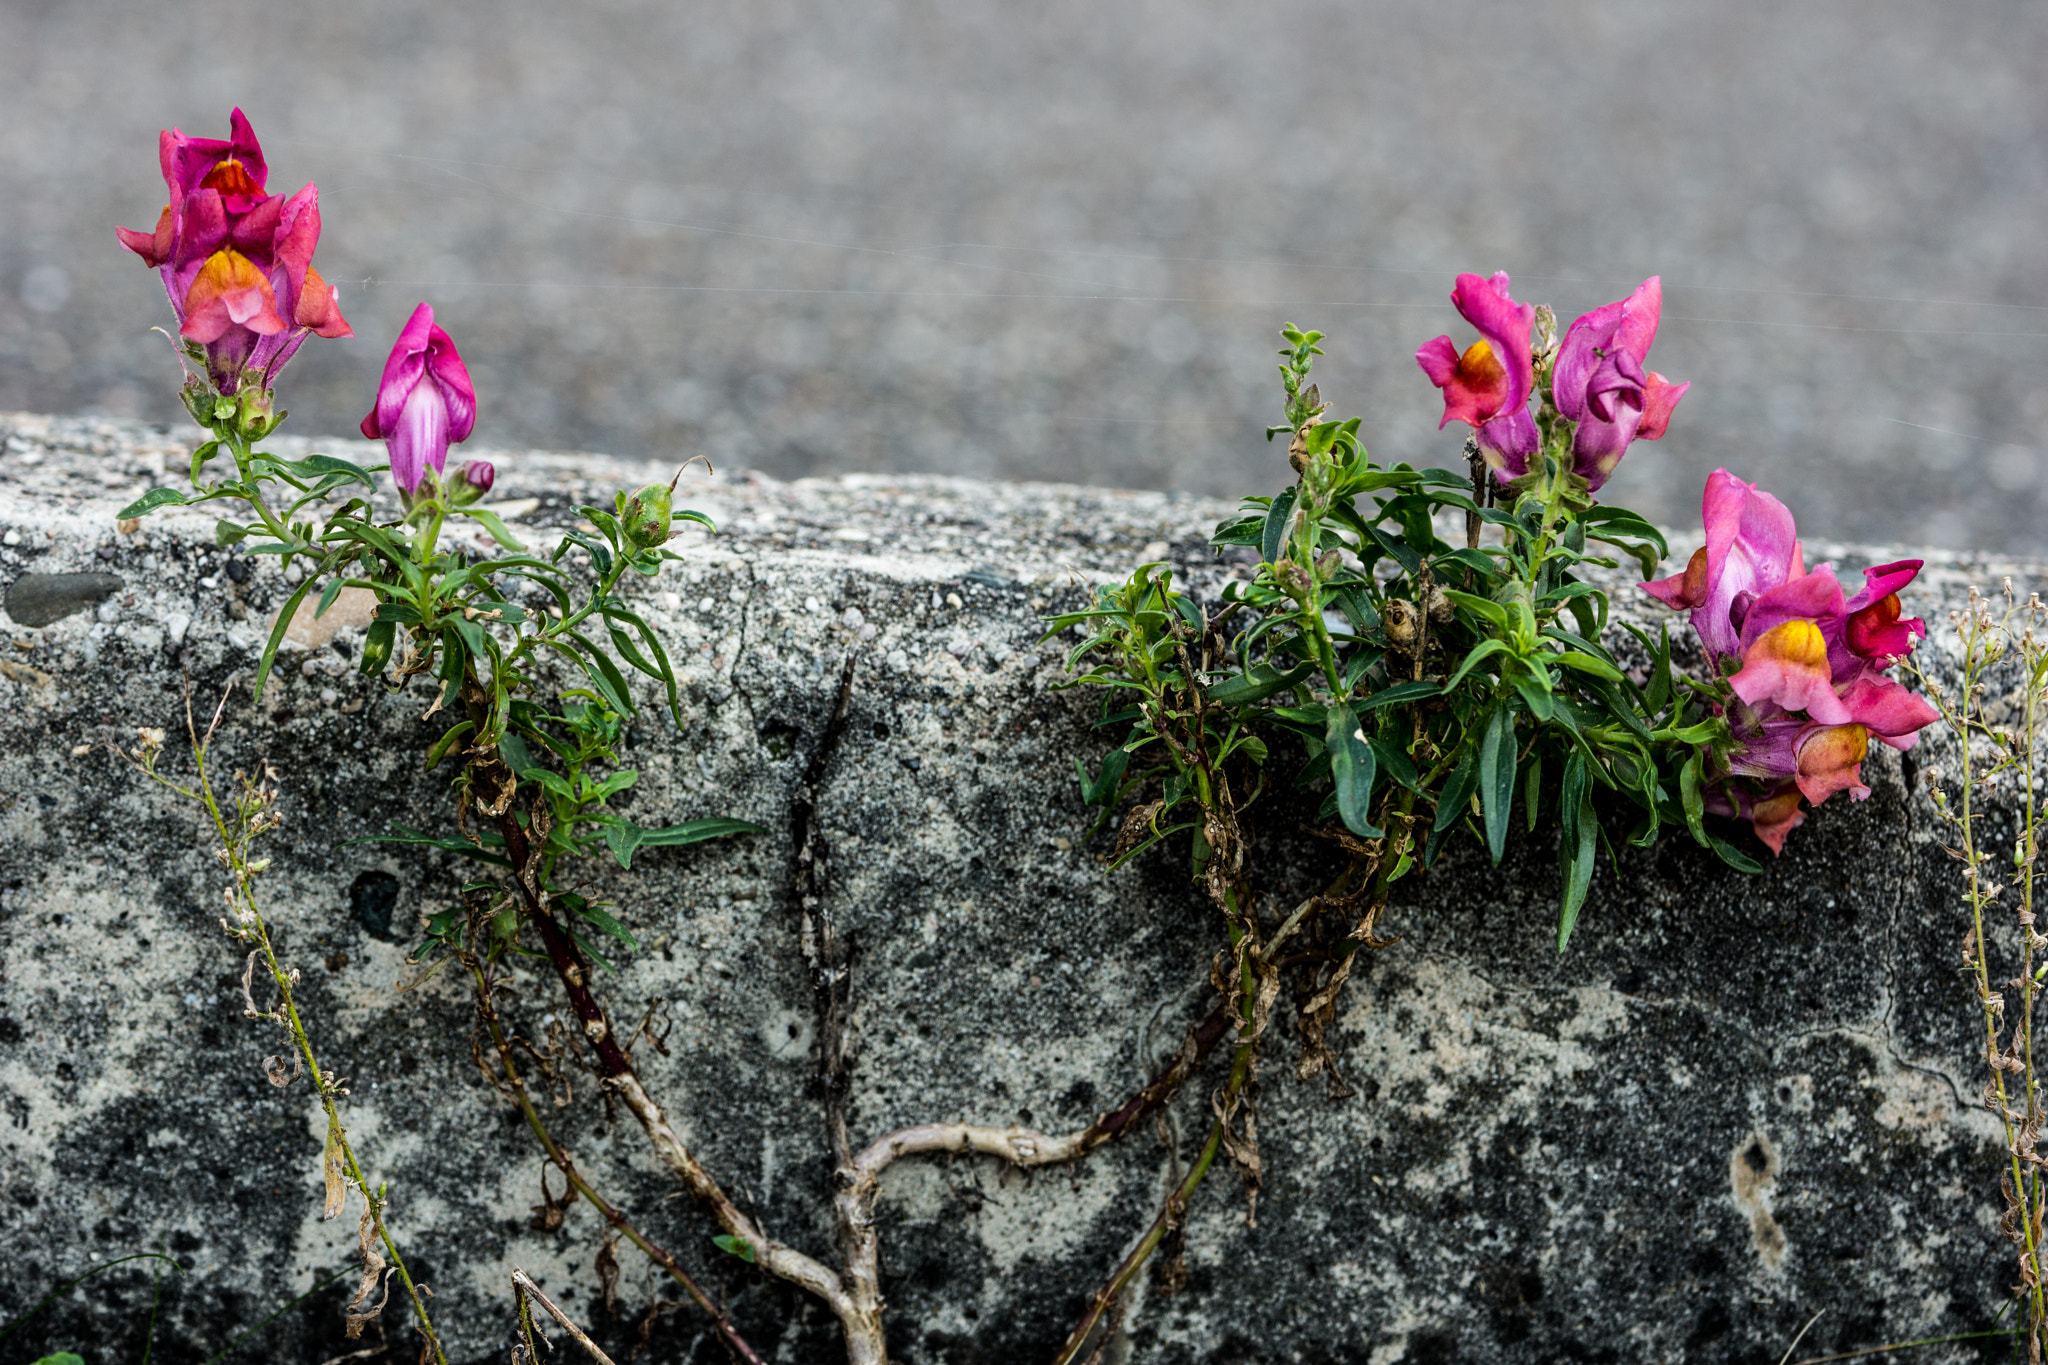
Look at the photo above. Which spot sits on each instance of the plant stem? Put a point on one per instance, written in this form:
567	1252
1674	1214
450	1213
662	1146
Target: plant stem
234	847
1174	1209
557	1154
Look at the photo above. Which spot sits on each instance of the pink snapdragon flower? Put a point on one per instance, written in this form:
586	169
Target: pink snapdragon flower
1805	665
237	261
425	402
1487	385
1599	381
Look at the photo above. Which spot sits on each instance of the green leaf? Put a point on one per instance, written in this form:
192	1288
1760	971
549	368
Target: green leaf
491	522
1484	608
625	838
1102	788
377	641
1533	686
409	835
1396	763
1484	650
736	1246
1408	559
610	683
1586	663
591	913
284	619
1576	847
404	612
1239	531
1352	767
1497	778
328	594
448	741
150	501
556	784
1274	534
1693	799
226	533
1532	789
1400	692
201	455
62	1358
1730	855
1260	682
1457	792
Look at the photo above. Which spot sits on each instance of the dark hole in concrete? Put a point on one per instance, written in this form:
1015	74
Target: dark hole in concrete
779	738
1756	1157
10	1031
372	897
881	730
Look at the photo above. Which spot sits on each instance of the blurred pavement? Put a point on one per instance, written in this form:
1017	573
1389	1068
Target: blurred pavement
1055	241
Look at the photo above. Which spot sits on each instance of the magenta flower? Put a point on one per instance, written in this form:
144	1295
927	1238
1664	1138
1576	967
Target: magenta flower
425	401
1487	386
1805	666
236	261
1600	383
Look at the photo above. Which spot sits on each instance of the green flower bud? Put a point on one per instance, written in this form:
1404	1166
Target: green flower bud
646	516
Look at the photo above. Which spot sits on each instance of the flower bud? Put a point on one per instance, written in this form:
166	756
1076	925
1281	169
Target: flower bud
1293	579
471	482
646	516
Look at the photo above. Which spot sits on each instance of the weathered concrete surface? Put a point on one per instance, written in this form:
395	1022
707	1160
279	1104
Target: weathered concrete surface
1735	1103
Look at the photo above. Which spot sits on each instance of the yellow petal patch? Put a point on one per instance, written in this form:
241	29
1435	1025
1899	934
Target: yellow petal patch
1796	644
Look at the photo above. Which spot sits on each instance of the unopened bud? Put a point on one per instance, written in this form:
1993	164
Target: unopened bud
646	515
471	482
1292	578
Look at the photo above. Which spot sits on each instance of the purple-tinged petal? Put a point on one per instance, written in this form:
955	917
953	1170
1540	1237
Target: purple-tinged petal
1893	713
404	367
445	365
419	437
1509	441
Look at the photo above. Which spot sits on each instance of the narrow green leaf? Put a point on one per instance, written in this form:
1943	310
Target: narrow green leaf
1693	799
1457	792
1258	683
492	523
1400	692
592	914
1274	534
1484	608
1484	650
377	641
150	501
1497	778
1730	855
1396	763
284	619
1353	767
1577	850
447	741
329	593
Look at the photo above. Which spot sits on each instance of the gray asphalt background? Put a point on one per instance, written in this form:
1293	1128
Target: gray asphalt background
1053	241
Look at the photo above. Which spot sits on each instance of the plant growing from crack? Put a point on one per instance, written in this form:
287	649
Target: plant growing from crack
237	823
1432	685
1994	708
